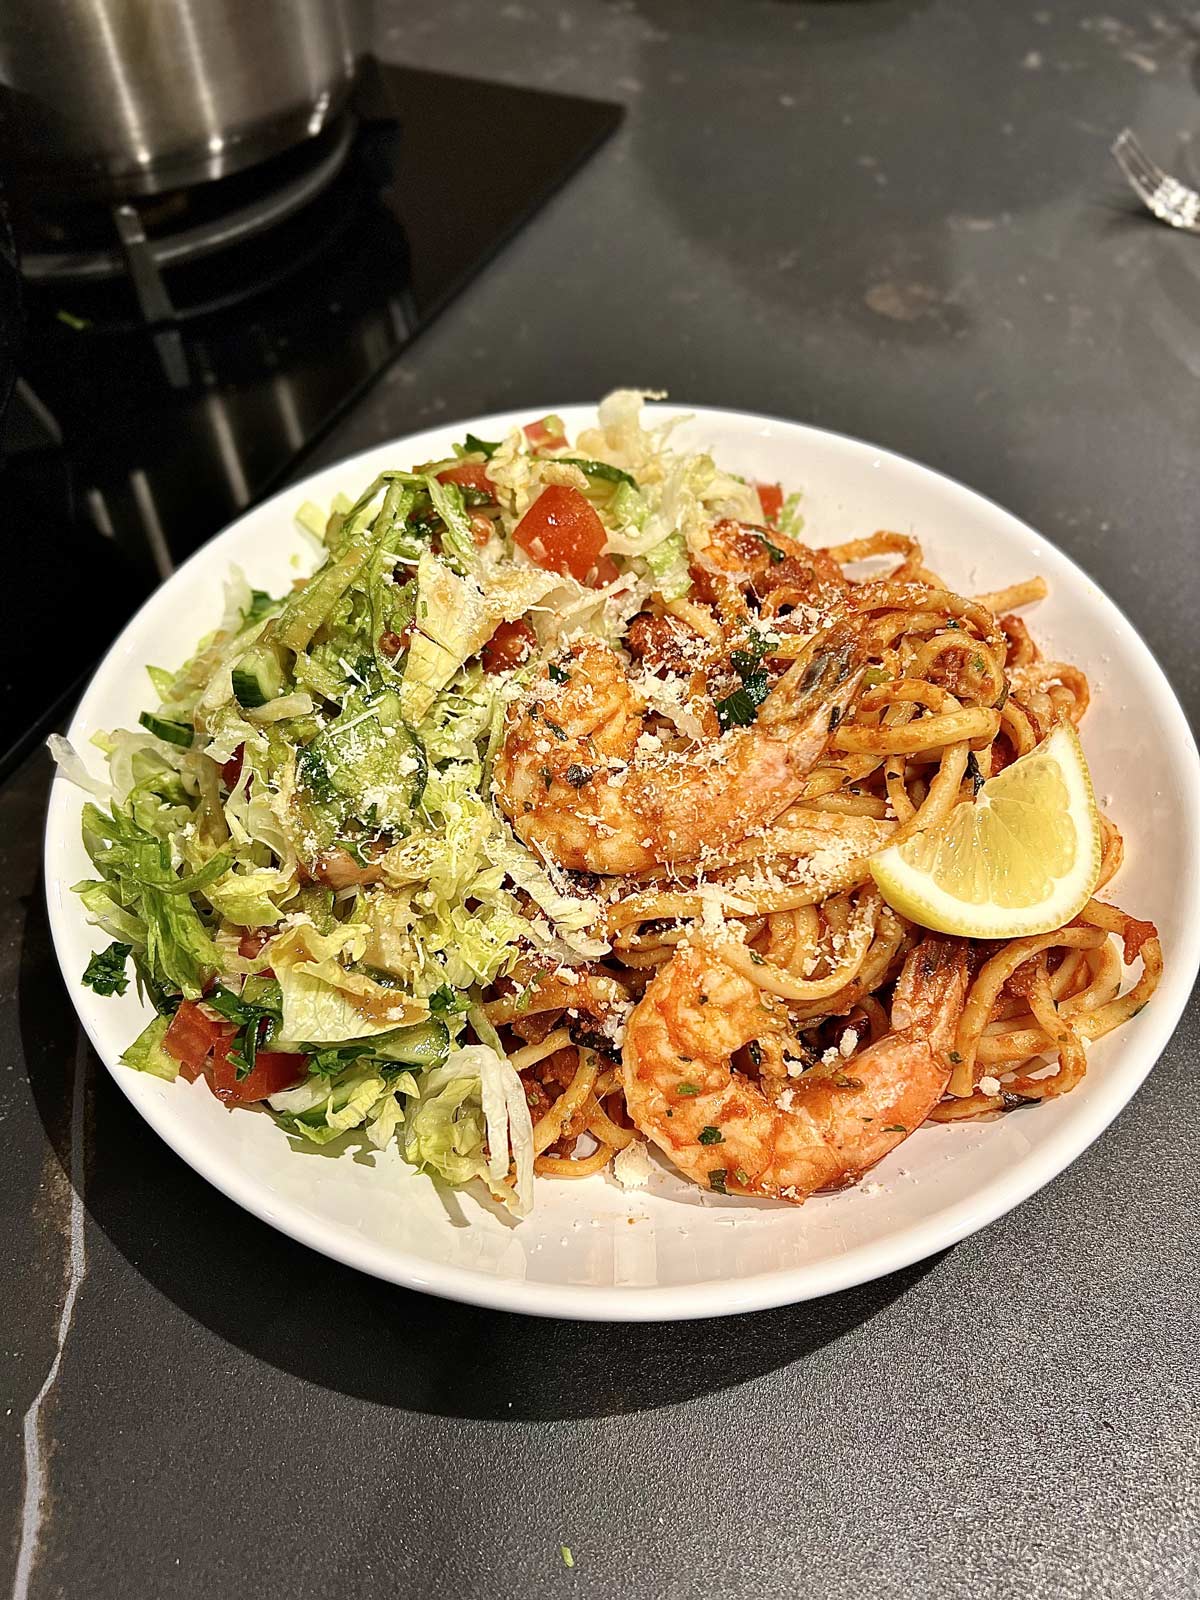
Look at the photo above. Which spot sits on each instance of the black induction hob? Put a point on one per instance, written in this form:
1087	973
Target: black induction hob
129	444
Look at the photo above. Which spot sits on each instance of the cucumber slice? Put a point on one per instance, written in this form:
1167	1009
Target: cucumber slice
371	747
257	677
599	469
425	1045
180	733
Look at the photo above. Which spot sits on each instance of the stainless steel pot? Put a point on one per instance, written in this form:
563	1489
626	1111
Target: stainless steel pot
113	98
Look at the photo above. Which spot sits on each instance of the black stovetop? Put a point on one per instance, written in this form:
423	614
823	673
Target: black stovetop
128	446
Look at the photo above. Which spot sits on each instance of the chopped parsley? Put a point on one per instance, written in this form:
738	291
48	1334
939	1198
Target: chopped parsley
258	1021
740	708
686	1089
105	972
558	674
482	447
745	660
313	773
260	603
741	1174
716	1179
711	1135
895	1127
446	1001
974	772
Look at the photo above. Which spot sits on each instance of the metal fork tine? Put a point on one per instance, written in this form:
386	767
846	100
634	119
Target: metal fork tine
1135	163
1161	193
1125	153
1151	172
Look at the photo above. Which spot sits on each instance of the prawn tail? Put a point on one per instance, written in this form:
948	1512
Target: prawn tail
932	988
820	688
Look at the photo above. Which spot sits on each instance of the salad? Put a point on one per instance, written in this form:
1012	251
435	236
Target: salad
298	857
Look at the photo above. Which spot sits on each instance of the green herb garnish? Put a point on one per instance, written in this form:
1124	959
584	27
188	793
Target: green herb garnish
258	1021
105	972
740	709
481	447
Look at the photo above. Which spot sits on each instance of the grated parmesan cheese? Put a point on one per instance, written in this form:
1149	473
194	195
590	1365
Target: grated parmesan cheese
632	1166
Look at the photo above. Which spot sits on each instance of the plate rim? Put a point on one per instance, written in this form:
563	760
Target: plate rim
864	1263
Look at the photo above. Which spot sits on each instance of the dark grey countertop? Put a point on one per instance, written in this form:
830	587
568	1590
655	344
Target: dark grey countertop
896	218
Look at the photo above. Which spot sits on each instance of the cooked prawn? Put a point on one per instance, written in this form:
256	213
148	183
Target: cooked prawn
726	1130
766	562
579	783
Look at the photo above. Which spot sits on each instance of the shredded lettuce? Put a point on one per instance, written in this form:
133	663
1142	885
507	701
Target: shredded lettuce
452	623
668	564
140	892
791	518
326	1002
570	916
146	1053
472	1121
74	768
322	1109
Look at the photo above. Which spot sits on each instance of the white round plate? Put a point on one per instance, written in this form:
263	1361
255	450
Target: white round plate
591	1250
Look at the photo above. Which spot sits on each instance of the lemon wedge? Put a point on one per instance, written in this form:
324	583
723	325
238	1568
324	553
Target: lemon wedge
1024	858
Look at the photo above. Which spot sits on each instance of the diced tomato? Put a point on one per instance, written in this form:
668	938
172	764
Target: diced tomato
392	643
232	770
468	475
542	437
192	1036
273	1070
252	941
770	497
562	533
482	528
511	644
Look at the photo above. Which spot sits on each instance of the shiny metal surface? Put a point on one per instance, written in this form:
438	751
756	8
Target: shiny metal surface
115	98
